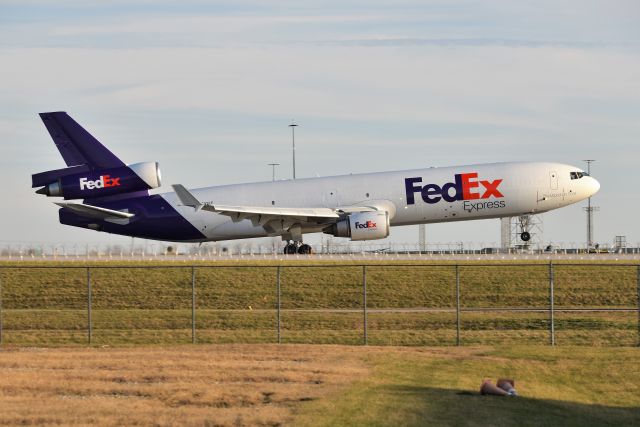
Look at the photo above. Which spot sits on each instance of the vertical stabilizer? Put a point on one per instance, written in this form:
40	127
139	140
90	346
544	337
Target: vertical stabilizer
76	145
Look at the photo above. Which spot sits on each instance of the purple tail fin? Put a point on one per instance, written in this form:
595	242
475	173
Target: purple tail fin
76	145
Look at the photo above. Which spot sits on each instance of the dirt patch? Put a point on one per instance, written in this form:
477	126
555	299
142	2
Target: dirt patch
203	385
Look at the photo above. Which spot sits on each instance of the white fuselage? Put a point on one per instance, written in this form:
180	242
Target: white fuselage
498	190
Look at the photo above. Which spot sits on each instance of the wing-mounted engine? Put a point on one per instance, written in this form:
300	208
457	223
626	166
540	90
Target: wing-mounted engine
362	226
85	183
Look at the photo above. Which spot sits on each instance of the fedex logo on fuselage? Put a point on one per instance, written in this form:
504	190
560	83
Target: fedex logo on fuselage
103	182
368	224
466	186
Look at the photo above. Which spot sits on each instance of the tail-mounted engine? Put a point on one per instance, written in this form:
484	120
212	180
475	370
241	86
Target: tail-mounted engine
362	226
71	184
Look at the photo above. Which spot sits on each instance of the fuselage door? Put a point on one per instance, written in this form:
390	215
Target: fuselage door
553	176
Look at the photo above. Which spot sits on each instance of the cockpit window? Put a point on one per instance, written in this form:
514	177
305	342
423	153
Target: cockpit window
577	175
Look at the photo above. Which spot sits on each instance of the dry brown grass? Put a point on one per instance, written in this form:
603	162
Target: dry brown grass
203	385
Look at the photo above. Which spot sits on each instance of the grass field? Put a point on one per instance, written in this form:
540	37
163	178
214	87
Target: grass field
235	385
438	387
236	303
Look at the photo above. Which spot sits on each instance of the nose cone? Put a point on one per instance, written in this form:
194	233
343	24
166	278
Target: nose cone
592	186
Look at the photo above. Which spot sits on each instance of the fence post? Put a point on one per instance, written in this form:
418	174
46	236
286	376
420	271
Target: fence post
1	325
457	305
552	326
89	320
638	293
278	302
364	301
193	304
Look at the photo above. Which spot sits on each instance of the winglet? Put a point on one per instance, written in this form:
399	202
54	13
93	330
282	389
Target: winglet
186	197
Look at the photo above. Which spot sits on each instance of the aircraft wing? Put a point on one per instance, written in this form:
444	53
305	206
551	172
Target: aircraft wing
259	210
95	211
259	215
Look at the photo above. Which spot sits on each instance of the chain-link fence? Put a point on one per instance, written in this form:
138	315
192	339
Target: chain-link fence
377	304
146	250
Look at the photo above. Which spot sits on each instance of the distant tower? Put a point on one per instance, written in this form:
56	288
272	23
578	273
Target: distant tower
422	238
505	233
620	243
590	210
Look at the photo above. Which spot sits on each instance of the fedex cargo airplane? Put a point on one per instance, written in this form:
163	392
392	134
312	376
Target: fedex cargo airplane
113	197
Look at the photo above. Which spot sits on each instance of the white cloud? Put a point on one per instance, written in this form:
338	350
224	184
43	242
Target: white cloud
527	87
197	26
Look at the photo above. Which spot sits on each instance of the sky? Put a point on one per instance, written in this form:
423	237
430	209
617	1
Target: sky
208	89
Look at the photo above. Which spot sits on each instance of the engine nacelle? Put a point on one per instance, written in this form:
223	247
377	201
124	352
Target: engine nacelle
105	182
362	226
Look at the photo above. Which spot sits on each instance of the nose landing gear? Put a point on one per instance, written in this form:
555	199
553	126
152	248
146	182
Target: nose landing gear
525	236
297	247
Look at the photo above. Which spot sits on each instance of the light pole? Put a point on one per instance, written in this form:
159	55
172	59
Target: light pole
273	170
293	141
590	209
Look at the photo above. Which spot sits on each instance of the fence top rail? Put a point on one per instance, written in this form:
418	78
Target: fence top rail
328	265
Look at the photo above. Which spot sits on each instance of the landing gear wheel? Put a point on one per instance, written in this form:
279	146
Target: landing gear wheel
304	249
525	236
291	249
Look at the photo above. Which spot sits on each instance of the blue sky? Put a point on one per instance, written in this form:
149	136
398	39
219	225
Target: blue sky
208	89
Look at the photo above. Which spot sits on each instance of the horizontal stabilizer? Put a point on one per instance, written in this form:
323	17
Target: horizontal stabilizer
94	211
45	178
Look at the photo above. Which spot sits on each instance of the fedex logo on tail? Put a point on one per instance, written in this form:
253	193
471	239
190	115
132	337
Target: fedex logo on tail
103	182
466	186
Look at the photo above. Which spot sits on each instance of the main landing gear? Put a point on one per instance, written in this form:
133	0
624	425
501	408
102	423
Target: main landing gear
297	248
525	236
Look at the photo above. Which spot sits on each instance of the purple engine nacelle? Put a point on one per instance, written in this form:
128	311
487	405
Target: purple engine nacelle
105	182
